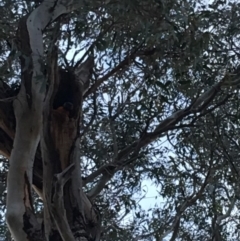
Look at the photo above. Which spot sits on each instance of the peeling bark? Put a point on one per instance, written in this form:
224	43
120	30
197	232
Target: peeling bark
60	144
28	112
58	130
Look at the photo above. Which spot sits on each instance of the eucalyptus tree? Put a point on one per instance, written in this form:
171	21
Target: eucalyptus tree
98	96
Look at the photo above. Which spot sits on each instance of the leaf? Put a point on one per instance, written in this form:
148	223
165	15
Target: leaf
138	113
184	82
168	83
160	84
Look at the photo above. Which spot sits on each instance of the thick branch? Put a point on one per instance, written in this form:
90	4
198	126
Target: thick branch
28	109
58	210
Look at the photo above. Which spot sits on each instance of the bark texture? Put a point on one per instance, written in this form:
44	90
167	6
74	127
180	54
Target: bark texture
41	137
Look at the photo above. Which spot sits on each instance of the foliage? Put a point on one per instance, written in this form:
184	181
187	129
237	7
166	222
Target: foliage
153	58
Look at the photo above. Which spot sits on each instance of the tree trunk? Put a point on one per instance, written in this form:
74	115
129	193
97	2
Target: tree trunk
48	113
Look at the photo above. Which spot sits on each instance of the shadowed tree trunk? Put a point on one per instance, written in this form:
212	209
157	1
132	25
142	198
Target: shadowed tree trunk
47	113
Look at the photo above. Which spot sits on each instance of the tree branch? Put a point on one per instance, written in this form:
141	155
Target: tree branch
125	62
198	105
57	208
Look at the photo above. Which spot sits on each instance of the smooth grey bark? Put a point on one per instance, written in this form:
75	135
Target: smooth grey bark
32	115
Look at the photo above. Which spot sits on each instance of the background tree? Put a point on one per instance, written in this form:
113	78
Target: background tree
150	92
